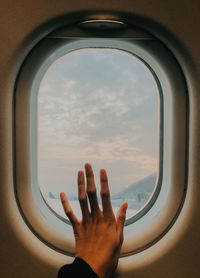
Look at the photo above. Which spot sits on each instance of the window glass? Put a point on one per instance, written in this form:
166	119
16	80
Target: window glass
98	105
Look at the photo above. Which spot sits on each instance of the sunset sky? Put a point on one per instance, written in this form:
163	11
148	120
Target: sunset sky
99	106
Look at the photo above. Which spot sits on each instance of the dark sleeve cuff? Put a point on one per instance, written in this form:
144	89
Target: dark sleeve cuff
79	268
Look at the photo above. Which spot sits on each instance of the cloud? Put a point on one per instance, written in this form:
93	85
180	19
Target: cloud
70	84
99	106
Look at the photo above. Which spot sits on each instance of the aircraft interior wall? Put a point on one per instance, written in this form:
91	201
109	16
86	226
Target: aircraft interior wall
22	25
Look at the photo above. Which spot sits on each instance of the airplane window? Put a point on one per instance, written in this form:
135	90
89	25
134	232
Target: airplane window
113	97
99	105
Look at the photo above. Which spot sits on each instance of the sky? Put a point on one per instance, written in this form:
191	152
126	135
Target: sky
99	106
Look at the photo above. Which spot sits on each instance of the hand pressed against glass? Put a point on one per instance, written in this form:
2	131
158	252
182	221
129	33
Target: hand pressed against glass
99	235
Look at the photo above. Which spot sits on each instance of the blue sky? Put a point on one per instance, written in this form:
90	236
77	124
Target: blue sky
99	106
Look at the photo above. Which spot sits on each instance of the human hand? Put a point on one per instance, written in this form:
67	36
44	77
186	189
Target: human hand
99	235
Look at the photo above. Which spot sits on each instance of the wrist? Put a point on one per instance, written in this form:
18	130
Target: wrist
102	270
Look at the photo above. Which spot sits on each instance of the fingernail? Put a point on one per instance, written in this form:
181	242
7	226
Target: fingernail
125	206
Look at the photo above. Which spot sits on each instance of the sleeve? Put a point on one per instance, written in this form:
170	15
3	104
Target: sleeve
79	268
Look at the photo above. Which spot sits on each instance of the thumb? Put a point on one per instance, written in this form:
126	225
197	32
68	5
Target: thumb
121	217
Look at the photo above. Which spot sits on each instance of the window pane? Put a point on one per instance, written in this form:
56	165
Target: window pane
101	106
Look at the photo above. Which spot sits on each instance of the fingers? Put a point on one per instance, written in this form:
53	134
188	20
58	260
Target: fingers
82	195
91	190
105	195
68	211
120	220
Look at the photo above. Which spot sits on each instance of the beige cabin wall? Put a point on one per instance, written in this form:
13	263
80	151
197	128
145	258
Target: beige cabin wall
22	24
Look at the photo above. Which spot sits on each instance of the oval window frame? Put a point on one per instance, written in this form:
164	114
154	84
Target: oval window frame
156	221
